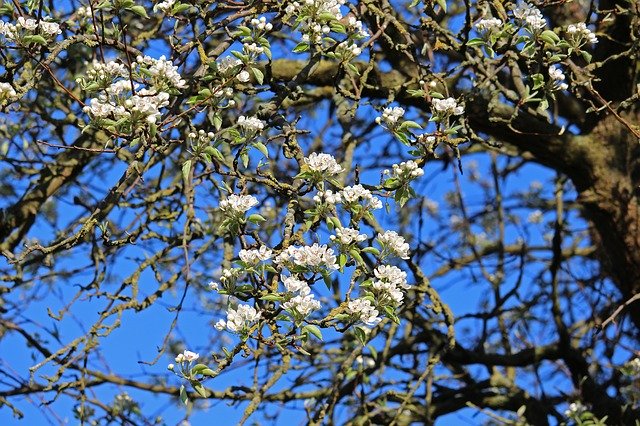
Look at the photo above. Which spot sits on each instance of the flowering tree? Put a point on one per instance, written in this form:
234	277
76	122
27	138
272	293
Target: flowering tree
361	212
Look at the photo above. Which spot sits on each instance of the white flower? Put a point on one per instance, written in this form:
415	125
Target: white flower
148	103
362	310
253	257
327	197
7	92
394	244
214	286
228	64
406	171
557	78
390	282
238	204
253	50
489	25
446	107
535	217
352	194
164	6
302	305
530	15
50	29
239	320
250	124
390	116
261	24
294	285
162	71
575	409
323	164
243	76
106	71
579	32
347	236
187	356
313	257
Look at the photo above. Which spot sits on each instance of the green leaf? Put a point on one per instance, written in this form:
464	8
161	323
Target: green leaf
262	148
361	334
550	37
208	372
355	253
256	218
312	329
342	260
475	42
197	386
372	250
139	10
36	39
258	75
198	368
184	397
272	298
442	4
301	47
587	56
186	168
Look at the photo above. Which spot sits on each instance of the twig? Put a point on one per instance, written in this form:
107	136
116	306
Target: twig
615	313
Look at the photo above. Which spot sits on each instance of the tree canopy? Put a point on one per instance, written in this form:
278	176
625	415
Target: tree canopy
363	212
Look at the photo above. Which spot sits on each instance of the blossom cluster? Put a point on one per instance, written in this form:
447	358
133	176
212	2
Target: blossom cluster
363	310
25	27
302	302
255	256
317	19
557	79
121	96
322	165
530	16
314	258
347	237
389	284
446	107
391	116
250	125
239	320
393	244
579	34
349	196
237	205
405	171
7	93
489	25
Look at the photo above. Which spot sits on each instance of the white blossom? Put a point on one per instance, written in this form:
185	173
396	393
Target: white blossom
243	76
394	244
579	33
557	78
406	171
489	24
228	65
162	70
390	116
323	164
352	194
239	320
238	204
164	6
7	92
530	15
253	257
446	107
575	409
314	257
294	285
364	311
261	24
250	124
327	197
187	356
302	305
347	236
535	217
389	284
